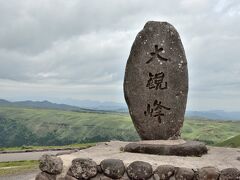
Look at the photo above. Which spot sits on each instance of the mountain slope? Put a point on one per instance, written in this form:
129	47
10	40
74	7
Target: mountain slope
97	106
41	104
215	115
232	142
29	126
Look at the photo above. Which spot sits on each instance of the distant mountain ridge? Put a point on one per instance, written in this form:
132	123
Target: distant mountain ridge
97	106
42	104
215	115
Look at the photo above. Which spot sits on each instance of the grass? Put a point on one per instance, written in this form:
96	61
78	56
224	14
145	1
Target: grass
23	148
52	127
16	167
209	131
231	142
46	127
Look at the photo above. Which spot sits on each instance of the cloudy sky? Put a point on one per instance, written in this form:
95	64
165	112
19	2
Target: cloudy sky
59	50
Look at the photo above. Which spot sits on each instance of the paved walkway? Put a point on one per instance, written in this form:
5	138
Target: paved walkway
218	157
26	155
28	176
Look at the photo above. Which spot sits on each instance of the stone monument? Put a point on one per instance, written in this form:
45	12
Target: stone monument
156	86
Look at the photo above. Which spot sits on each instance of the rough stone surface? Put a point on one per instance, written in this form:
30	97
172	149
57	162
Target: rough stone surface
189	148
184	174
113	168
83	168
99	169
219	157
67	177
230	174
208	173
51	164
164	172
101	177
139	170
156	82
45	176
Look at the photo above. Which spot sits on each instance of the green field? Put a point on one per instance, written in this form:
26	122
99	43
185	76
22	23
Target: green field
231	142
36	148
17	167
26	126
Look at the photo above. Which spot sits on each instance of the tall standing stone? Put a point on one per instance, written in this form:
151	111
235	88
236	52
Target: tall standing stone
156	82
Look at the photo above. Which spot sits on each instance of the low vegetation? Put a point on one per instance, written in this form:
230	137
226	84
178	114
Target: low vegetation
17	167
231	142
48	127
209	131
24	148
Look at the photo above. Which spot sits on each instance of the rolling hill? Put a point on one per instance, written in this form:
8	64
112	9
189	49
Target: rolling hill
231	142
41	104
97	106
38	126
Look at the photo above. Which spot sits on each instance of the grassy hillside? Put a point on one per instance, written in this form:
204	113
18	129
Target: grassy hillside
25	126
54	127
17	167
231	142
209	131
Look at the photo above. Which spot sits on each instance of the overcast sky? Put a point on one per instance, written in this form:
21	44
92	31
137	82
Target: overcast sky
73	49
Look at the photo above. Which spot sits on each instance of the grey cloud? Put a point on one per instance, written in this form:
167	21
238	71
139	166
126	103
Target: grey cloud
87	43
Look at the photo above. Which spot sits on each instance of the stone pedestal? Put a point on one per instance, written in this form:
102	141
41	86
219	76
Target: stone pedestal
168	147
111	162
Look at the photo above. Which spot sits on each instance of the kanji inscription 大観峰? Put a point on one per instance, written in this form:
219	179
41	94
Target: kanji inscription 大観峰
156	81
156	54
156	110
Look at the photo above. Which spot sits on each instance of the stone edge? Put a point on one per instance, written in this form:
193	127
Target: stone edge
187	173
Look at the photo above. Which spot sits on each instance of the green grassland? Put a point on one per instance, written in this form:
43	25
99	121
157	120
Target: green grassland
70	146
26	126
231	142
17	167
210	131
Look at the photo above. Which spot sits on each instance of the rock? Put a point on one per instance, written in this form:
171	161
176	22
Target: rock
208	173
184	174
67	177
189	148
83	168
164	172
230	174
156	82
139	170
125	177
101	177
51	164
99	169
45	176
113	168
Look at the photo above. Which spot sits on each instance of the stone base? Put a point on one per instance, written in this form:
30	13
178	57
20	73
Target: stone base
223	159
168	147
219	163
